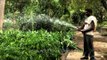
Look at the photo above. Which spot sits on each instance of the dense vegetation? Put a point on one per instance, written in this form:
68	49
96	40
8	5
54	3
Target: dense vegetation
68	10
33	45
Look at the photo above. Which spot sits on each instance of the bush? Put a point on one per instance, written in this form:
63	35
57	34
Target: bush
78	17
33	45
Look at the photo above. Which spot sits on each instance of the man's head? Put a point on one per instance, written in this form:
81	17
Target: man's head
88	12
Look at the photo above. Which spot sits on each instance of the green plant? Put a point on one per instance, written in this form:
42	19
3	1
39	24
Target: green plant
33	45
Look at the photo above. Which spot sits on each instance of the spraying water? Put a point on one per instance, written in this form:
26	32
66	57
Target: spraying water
57	21
46	18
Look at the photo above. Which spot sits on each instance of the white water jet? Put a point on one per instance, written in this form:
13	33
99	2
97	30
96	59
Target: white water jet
44	17
57	21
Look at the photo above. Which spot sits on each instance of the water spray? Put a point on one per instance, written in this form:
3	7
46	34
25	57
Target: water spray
45	18
57	21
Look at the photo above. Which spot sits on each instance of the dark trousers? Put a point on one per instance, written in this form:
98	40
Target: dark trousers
88	46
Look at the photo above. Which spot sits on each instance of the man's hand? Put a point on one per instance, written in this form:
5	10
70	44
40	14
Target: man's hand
82	31
78	29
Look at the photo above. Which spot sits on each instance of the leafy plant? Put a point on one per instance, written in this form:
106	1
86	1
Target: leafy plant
33	45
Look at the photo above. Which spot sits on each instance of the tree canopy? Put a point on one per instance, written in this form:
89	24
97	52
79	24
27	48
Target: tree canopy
58	8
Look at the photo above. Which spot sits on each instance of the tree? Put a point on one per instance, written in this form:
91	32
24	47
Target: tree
104	2
2	5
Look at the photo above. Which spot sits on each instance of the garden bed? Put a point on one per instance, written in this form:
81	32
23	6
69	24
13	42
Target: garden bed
33	45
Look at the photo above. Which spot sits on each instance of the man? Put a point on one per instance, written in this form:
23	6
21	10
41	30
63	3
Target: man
88	29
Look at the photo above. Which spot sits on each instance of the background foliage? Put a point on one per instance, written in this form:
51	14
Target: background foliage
63	9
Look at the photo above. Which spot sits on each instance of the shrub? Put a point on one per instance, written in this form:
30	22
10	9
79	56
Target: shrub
33	45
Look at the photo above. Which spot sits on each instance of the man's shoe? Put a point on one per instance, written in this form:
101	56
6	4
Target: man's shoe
92	59
84	58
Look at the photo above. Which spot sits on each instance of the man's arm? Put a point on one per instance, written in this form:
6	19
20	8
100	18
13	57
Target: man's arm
89	29
79	29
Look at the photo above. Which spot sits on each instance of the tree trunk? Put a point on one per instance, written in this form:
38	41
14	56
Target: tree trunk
2	5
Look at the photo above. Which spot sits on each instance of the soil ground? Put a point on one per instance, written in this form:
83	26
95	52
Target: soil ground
100	47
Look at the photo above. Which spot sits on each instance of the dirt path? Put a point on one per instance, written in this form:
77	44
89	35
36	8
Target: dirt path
100	47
